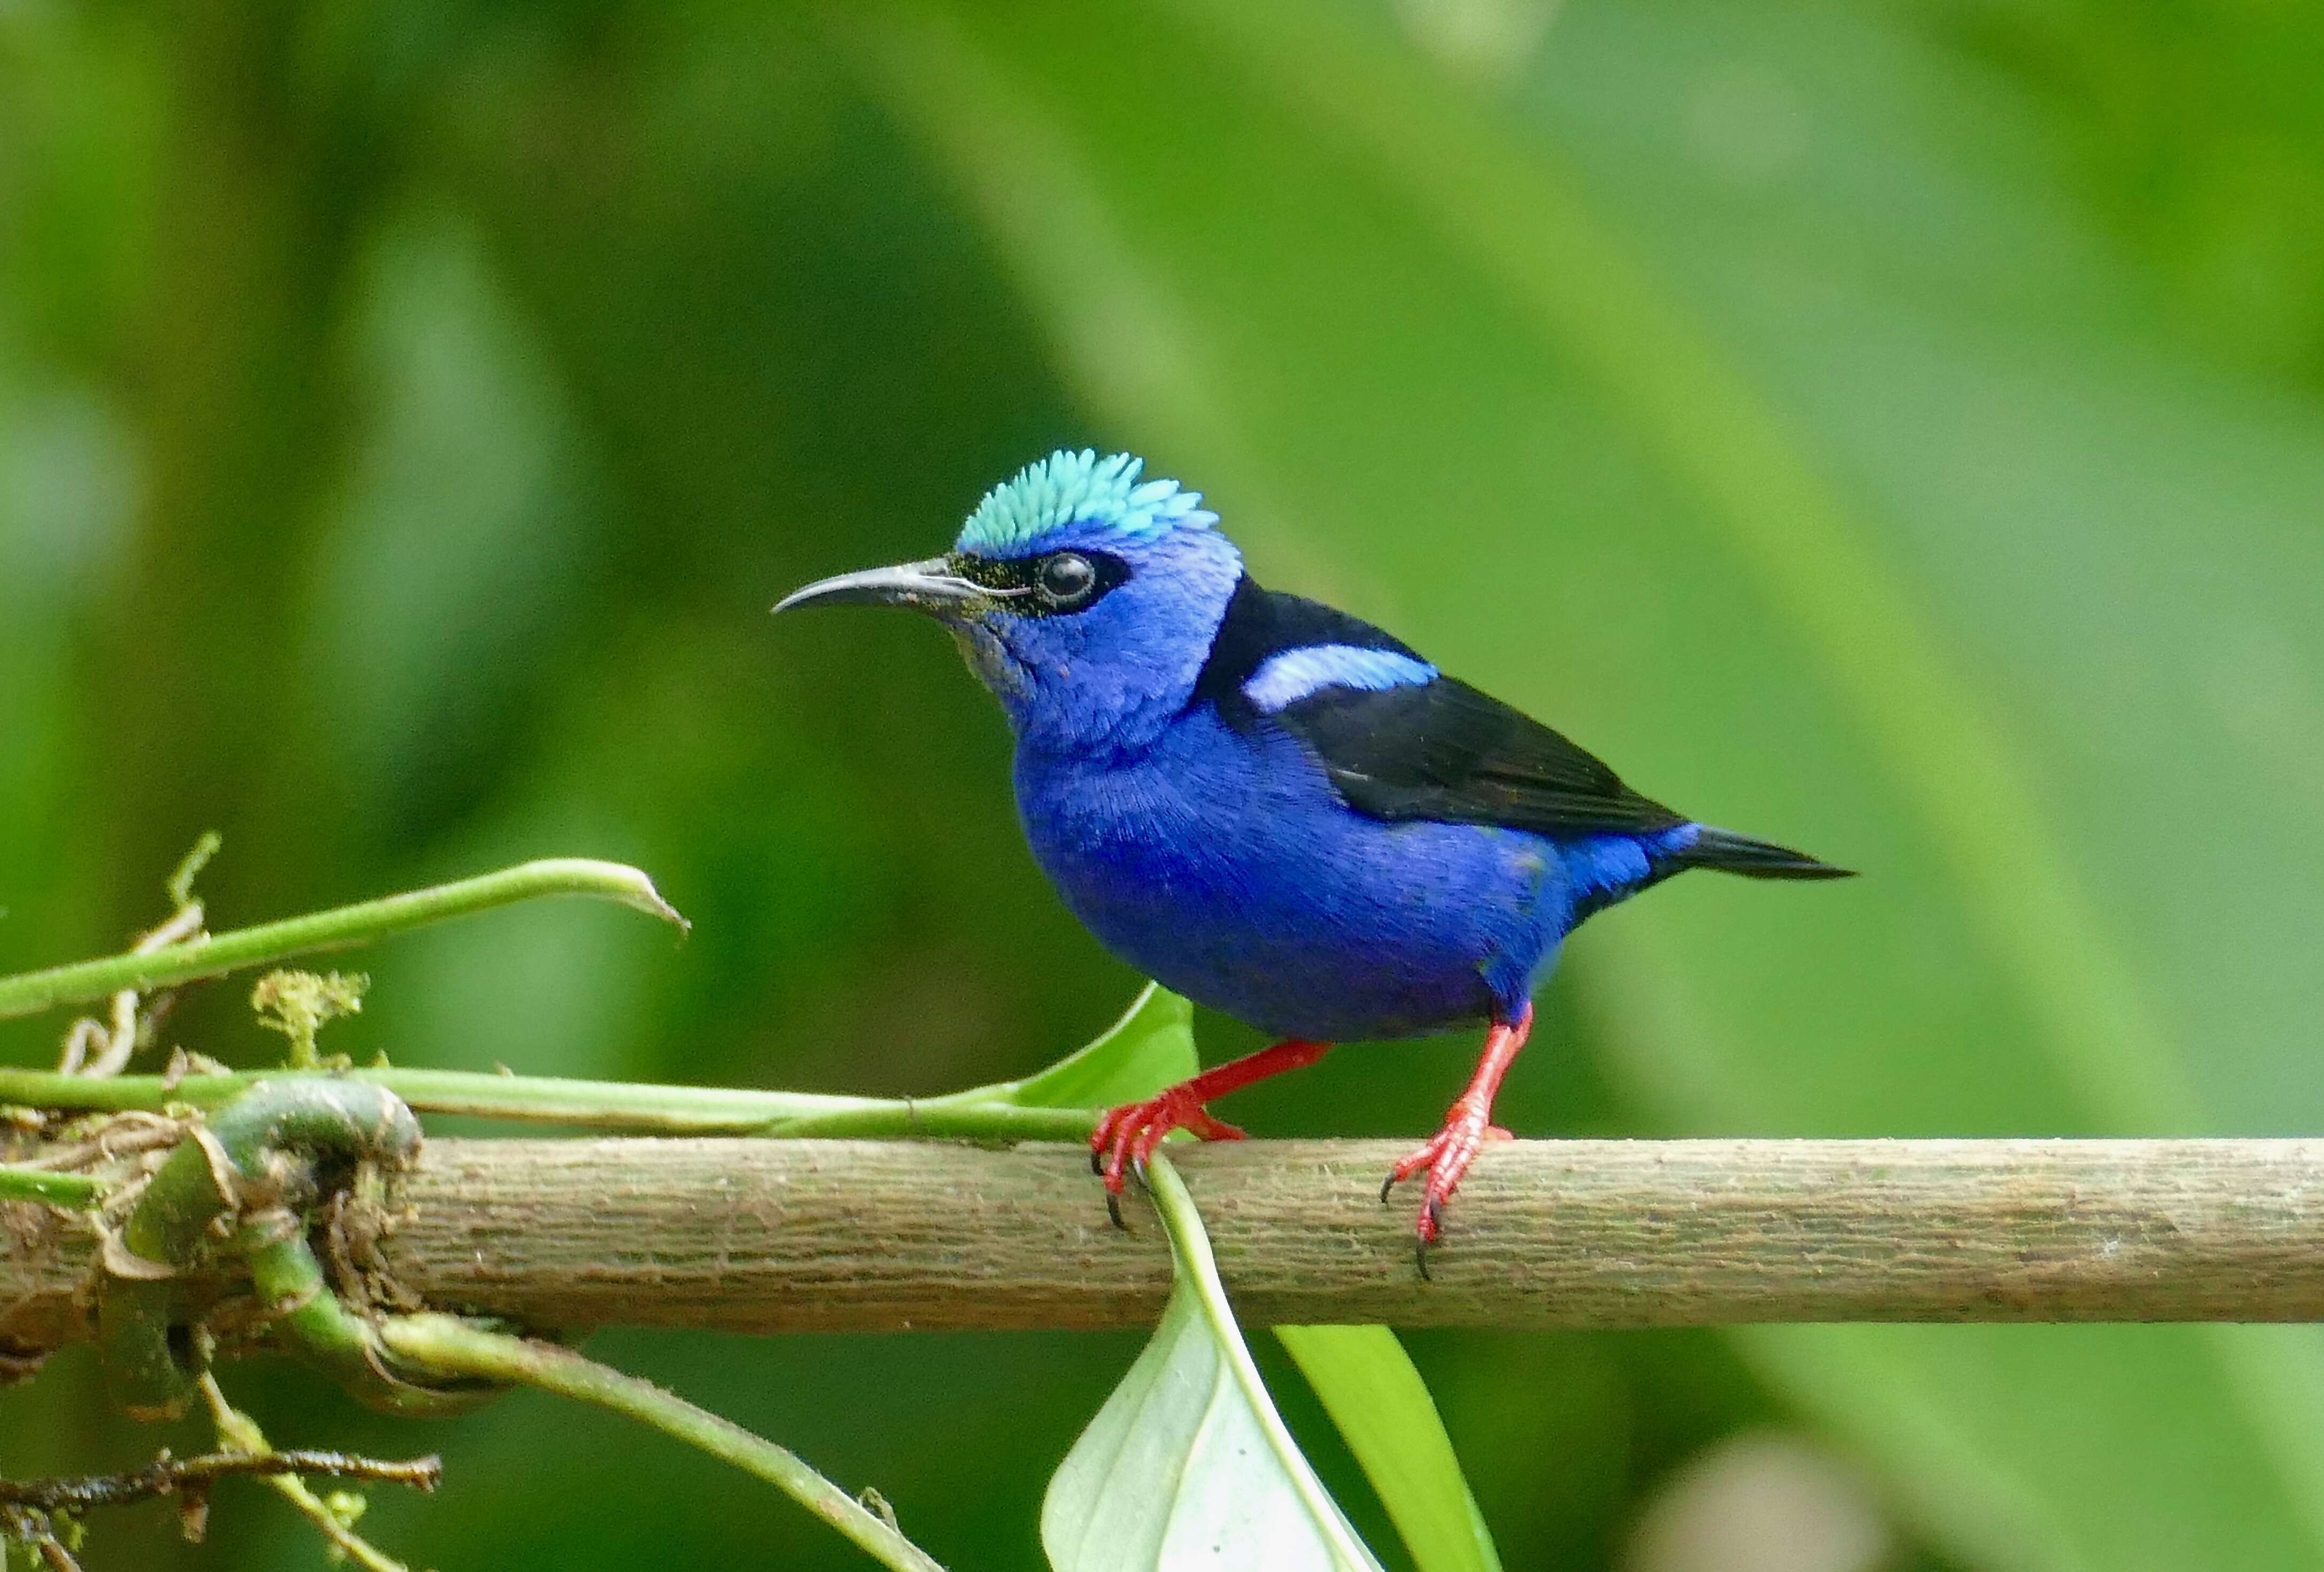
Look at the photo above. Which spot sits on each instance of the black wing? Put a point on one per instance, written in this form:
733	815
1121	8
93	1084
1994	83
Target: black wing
1447	752
1440	751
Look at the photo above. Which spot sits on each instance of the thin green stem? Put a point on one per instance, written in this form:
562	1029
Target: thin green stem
983	1114
979	1113
604	1104
238	1432
57	1189
30	993
445	1346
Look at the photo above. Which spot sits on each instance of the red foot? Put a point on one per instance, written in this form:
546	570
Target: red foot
1125	1137
1467	1126
1447	1155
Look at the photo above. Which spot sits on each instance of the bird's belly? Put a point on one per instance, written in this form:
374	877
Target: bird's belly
1231	873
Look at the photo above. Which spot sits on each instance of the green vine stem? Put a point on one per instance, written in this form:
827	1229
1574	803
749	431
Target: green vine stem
445	1346
252	1166
78	1191
30	993
980	1114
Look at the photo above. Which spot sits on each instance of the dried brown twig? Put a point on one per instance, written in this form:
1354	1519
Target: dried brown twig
193	1476
40	1514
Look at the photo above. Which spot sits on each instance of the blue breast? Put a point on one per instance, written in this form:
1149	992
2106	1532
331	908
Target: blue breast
1224	864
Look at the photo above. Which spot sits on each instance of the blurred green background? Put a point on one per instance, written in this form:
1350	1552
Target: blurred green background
1896	430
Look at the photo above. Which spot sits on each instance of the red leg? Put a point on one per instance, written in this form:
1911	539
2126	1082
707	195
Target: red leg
1125	1137
1467	1127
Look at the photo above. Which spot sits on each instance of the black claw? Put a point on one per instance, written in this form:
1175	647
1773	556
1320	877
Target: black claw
1434	1212
1387	1185
1097	1160
1114	1210
1137	1170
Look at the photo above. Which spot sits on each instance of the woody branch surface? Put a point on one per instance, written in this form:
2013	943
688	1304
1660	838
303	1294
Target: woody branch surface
771	1235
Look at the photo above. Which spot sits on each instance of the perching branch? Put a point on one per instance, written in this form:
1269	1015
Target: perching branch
766	1235
242	1195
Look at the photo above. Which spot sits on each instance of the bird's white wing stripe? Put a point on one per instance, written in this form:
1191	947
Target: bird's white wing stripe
1285	679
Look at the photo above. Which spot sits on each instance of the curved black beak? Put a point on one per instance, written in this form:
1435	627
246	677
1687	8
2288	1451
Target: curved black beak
931	587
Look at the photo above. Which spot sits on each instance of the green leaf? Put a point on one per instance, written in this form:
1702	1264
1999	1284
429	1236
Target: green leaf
1151	1047
1188	1466
1391	1423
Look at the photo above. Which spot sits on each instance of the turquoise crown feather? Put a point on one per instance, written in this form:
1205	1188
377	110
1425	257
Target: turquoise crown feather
1080	488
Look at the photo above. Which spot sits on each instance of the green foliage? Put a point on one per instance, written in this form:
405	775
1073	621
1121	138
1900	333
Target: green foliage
1891	430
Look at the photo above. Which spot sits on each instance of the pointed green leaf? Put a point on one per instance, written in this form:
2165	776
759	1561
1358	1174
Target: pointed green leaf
1151	1047
1188	1466
1384	1411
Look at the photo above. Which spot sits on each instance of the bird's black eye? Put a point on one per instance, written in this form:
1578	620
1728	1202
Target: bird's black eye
1067	579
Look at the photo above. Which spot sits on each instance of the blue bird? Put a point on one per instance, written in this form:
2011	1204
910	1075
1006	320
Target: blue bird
1272	807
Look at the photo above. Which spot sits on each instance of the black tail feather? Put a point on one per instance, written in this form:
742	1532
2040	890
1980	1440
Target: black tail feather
1755	859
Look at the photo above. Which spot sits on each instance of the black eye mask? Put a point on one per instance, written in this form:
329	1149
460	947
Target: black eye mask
1054	584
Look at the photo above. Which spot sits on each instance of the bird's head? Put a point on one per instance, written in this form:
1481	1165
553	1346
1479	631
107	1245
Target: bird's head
1085	597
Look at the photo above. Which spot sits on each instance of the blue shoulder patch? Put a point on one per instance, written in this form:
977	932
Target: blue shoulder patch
1080	488
1285	679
